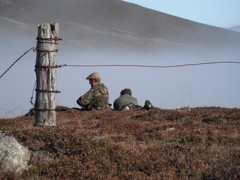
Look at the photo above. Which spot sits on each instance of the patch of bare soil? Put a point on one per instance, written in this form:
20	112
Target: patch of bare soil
197	143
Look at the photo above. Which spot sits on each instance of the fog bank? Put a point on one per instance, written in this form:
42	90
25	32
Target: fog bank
167	88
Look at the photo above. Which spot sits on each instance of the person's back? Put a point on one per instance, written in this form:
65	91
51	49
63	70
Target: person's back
125	100
97	97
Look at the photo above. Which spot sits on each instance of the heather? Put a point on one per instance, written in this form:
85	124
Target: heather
186	143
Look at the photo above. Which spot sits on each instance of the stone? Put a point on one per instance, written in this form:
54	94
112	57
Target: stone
14	157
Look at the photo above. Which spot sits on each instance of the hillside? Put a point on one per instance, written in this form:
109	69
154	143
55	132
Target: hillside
197	143
236	28
112	24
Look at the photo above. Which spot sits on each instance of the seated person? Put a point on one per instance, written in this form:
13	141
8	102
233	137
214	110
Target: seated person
126	101
97	98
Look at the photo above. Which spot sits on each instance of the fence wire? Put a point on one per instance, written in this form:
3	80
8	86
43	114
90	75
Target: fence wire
148	66
15	62
124	65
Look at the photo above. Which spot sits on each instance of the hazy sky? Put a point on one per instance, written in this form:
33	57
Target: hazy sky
220	13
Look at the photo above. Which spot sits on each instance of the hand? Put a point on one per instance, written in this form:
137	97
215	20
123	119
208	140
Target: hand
79	100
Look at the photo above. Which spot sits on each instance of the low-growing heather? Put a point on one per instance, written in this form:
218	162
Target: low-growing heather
198	143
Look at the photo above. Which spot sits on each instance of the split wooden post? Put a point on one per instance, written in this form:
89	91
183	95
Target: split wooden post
45	69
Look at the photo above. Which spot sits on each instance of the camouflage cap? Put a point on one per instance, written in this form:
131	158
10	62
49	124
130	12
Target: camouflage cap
126	91
94	75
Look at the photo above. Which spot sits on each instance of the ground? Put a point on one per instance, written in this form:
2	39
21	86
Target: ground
197	143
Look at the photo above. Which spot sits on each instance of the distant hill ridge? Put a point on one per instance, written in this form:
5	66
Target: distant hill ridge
113	23
236	28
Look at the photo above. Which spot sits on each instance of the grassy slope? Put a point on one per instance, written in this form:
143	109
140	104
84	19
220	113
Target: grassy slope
204	144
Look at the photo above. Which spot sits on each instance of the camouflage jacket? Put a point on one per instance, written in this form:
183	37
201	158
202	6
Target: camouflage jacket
124	100
97	98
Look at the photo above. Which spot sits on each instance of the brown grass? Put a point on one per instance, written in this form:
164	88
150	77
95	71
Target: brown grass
200	143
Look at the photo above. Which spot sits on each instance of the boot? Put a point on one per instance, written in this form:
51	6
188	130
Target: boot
148	105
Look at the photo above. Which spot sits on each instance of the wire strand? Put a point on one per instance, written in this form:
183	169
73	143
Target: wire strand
15	62
148	66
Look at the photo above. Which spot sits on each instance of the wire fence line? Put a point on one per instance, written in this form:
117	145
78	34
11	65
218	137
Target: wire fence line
9	113
149	66
123	65
16	62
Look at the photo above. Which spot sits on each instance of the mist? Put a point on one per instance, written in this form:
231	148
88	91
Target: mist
166	88
209	85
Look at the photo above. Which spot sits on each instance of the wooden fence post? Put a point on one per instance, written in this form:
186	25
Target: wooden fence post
45	69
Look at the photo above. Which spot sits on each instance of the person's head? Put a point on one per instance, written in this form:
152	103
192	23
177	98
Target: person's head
94	78
126	91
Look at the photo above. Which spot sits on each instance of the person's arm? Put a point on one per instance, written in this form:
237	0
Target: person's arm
115	105
86	99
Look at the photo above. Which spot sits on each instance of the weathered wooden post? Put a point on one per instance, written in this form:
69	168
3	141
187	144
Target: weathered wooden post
45	69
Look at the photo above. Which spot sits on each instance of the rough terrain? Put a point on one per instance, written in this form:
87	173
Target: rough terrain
192	143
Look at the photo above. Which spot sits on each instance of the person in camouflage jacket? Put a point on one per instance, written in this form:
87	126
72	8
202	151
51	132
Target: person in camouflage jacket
97	98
